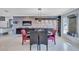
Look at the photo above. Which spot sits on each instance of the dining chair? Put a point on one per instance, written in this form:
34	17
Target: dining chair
33	38
53	36
43	38
24	36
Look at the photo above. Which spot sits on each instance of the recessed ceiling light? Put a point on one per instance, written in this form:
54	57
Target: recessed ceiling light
5	10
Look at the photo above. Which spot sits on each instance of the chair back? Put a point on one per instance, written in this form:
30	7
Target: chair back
54	32
43	35
23	32
33	37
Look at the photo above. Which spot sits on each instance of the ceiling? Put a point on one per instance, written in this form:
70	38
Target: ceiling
32	11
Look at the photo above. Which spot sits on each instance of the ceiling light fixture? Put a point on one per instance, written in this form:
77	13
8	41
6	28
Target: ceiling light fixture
39	9
39	14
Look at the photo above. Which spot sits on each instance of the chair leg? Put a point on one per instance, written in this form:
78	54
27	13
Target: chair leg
46	47
39	47
22	42
30	47
54	41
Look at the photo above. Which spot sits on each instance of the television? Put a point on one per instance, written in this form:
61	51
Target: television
27	23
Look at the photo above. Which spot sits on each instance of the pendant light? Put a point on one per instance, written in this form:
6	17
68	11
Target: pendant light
39	14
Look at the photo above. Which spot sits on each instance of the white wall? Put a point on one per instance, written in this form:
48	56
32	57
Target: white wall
78	23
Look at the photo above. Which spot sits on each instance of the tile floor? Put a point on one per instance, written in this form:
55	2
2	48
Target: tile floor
13	43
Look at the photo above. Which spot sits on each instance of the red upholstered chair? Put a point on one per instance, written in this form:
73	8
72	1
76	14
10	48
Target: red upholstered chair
24	36
52	37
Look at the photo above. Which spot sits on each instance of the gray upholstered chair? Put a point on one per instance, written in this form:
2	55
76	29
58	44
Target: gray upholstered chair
33	38
43	38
